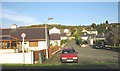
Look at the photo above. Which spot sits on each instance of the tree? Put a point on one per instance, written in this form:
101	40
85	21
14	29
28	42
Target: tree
93	25
111	39
107	22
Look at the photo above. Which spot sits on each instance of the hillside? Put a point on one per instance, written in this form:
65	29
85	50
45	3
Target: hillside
101	28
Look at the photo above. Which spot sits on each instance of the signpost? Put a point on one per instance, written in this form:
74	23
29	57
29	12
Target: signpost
23	35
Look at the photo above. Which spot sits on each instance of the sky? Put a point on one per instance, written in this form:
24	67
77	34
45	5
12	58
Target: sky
64	13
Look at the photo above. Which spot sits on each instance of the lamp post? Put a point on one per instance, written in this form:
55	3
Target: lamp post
46	37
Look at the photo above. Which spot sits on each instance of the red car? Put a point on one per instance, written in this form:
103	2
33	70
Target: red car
69	55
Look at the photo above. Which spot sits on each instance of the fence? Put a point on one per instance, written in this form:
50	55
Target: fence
53	49
37	55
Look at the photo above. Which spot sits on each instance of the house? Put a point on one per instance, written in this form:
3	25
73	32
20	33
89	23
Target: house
96	37
35	38
66	31
55	39
36	42
65	34
87	36
54	34
54	30
91	35
90	31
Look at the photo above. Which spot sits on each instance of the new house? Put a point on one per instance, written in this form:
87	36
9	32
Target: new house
36	38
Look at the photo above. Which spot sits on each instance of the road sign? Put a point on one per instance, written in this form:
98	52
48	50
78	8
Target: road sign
23	35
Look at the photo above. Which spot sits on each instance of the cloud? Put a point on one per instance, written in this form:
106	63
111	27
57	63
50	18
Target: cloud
12	15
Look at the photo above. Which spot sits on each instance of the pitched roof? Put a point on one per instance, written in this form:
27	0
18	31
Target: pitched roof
31	33
5	31
54	36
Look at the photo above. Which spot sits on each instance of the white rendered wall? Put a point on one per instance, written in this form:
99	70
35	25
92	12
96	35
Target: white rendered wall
16	58
54	30
42	45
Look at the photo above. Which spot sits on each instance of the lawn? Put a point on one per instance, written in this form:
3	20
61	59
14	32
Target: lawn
96	65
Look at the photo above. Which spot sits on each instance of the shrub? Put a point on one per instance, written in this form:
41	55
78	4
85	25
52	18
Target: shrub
63	42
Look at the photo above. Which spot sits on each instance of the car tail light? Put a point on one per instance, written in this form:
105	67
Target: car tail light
75	57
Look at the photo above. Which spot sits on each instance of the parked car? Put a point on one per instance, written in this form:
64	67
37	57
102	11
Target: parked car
107	46
98	45
68	55
101	45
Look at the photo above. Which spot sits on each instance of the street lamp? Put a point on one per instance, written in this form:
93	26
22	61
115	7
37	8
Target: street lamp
46	35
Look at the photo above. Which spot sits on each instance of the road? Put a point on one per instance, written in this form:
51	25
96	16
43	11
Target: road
89	58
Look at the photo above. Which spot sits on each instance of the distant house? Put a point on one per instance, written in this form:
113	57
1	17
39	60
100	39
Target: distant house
35	38
54	30
63	36
91	35
55	39
90	31
68	32
54	34
97	37
87	36
65	33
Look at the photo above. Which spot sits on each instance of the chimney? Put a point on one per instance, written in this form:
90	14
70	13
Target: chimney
14	26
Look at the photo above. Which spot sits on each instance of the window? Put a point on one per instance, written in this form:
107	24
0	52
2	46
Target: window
33	44
68	51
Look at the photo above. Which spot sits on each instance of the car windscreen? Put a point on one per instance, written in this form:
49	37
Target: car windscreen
68	51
